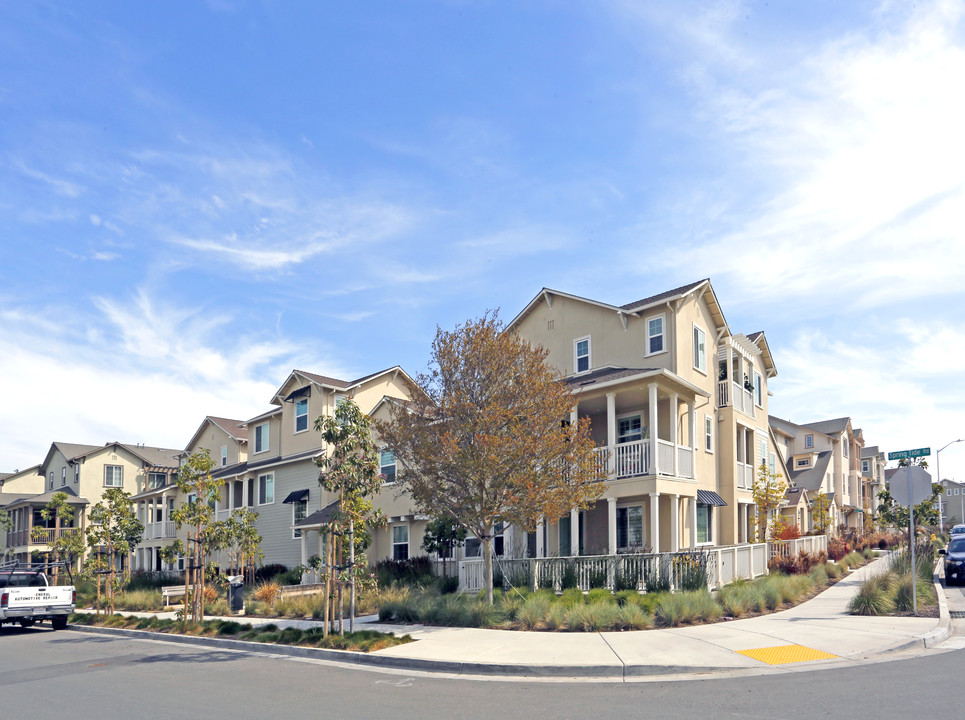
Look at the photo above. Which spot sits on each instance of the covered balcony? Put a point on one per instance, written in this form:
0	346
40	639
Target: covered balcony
738	385
643	420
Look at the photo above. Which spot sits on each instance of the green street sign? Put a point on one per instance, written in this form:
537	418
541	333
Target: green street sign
908	454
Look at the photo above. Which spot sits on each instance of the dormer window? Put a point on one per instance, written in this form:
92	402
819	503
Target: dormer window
803	462
301	414
581	354
655	342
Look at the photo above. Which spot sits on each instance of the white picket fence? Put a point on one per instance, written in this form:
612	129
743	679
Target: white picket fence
723	565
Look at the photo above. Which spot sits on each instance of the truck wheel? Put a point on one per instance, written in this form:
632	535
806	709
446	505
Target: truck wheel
59	622
27	623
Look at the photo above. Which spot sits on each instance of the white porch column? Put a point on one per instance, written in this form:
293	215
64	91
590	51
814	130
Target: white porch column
611	526
655	520
675	523
304	543
508	535
611	433
540	550
652	387
574	533
742	526
693	522
692	430
674	423
244	493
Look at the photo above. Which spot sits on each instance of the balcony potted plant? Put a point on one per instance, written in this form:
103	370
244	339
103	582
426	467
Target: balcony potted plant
748	385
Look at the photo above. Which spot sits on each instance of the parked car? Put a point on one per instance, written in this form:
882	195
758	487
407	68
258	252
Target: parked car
27	597
959	529
954	560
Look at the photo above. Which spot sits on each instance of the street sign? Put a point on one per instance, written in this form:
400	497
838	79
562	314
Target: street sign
910	491
908	454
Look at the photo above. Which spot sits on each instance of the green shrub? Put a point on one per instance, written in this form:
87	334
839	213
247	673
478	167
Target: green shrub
448	585
571	597
737	599
138	600
669	611
691	571
854	559
656	579
592	618
874	597
773	593
819	575
532	615
568	578
903	593
556	617
598	595
597	578
627	597
411	571
833	570
700	606
633	617
625	581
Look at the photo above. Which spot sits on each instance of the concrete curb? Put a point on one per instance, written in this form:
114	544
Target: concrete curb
615	672
943	630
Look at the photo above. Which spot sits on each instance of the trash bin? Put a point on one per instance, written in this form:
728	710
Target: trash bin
236	593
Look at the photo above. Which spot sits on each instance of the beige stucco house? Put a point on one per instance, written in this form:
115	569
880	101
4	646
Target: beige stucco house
678	407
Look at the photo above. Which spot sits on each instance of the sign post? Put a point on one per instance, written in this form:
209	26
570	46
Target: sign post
908	456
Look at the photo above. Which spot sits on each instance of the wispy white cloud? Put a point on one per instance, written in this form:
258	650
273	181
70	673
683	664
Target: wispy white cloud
66	188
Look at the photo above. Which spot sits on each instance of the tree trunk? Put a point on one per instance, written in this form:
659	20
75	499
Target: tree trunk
328	582
487	551
351	577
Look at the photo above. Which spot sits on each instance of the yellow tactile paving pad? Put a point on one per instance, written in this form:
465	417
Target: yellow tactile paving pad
783	654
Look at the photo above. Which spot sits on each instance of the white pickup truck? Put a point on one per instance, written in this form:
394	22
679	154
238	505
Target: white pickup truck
26	597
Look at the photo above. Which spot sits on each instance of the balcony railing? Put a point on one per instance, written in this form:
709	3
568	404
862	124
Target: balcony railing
159	530
38	536
730	393
632	459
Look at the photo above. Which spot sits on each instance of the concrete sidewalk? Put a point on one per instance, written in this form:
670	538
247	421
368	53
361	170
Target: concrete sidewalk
788	640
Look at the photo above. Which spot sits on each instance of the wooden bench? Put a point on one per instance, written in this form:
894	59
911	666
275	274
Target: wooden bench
172	591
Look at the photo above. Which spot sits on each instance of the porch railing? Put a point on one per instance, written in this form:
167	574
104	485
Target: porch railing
633	458
724	565
44	536
745	476
159	530
790	548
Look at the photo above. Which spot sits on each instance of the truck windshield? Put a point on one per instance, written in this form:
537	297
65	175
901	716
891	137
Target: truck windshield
22	580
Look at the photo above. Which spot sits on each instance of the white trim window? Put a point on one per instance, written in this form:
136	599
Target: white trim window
865	466
581	354
261	438
114	476
63	476
299	513
224	455
803	462
705	524
266	489
655	334
301	415
473	545
700	350
630	527
387	466
156	480
630	428
763	449
708	433
809	441
758	390
51	480
77	474
400	542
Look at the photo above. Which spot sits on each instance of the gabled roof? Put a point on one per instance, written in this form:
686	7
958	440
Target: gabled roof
635	307
869	451
785	427
154	456
812	477
319	517
236	429
829	427
759	339
71	451
331	383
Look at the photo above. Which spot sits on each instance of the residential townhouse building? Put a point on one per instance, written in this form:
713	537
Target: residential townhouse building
82	473
873	462
953	502
678	407
268	465
825	457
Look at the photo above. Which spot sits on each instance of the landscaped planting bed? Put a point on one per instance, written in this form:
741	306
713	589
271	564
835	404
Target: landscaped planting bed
359	641
599	609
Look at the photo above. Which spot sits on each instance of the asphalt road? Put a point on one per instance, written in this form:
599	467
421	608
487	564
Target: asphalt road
46	674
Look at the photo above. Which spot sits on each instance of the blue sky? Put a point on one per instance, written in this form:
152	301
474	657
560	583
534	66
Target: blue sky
198	197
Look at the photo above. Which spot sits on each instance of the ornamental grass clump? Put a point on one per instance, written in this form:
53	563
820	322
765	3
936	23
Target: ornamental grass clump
592	618
819	575
571	597
138	600
874	597
600	595
833	570
633	617
738	598
903	593
532	615
556	617
268	593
